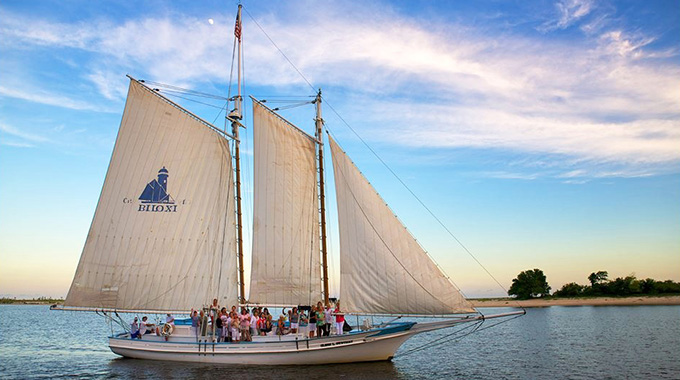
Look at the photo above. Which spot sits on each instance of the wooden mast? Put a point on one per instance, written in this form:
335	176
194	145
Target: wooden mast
322	197
235	116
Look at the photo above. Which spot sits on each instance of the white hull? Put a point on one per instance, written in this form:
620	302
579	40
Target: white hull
375	345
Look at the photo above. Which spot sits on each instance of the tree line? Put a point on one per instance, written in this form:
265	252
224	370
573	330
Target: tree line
533	283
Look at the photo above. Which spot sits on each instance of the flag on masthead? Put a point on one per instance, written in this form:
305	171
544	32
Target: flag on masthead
237	27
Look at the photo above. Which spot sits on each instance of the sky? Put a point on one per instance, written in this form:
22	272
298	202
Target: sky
543	134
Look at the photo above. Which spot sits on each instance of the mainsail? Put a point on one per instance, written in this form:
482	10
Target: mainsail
383	269
163	235
285	255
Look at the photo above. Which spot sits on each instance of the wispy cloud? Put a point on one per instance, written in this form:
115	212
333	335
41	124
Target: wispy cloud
27	136
16	144
510	175
600	100
568	12
58	100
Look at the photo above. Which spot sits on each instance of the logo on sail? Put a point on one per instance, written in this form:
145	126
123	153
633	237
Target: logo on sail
155	197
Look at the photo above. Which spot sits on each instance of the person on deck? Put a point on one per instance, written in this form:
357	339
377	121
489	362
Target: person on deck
339	319
281	326
320	320
227	327
328	320
304	324
145	327
225	324
312	321
244	321
235	336
203	323
294	321
194	323
261	325
219	326
253	323
134	329
267	321
214	310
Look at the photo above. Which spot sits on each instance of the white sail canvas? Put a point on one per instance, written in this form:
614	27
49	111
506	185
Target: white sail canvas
286	253
383	269
163	234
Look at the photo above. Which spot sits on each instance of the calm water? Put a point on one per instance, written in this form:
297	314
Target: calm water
556	342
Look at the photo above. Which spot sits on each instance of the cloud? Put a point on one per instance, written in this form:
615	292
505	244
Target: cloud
43	97
16	144
616	42
29	139
109	83
607	98
568	12
638	142
510	175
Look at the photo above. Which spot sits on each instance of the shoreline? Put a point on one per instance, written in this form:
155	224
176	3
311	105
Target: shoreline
594	301
509	302
33	302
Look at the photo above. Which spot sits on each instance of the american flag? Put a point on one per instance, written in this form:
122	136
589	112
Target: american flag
237	27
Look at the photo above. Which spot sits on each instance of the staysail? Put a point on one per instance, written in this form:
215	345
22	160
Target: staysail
163	234
383	269
285	255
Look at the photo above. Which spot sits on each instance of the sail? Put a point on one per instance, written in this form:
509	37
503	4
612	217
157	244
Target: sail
163	233
286	260
383	269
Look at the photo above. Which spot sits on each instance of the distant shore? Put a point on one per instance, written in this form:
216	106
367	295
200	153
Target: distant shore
492	302
592	301
46	301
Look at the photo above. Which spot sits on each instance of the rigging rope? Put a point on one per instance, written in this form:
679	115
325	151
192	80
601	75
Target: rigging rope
477	327
184	90
170	93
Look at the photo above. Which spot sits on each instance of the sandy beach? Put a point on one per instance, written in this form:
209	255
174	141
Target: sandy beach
597	301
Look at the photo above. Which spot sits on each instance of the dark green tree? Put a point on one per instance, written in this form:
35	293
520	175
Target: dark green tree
599	283
529	284
648	286
571	289
598	278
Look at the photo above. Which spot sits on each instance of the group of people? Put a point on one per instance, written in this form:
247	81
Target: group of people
320	320
231	326
137	329
228	326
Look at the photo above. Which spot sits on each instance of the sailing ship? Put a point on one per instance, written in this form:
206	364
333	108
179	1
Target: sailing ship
167	232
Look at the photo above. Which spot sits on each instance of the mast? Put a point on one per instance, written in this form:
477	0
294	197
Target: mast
235	116
322	197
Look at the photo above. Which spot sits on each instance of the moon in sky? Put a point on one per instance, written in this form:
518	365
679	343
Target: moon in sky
210	21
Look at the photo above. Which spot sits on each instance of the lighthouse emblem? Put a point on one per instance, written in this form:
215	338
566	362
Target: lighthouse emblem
155	197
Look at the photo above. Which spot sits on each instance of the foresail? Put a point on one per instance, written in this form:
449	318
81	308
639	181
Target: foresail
163	234
285	260
383	269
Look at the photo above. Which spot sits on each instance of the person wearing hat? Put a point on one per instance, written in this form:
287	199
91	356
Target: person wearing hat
146	327
134	330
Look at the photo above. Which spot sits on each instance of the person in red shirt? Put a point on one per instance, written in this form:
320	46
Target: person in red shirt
339	319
